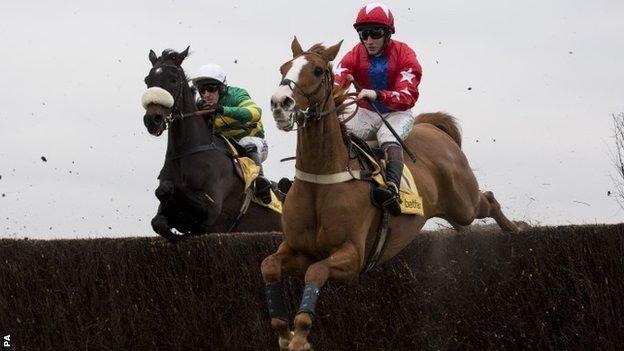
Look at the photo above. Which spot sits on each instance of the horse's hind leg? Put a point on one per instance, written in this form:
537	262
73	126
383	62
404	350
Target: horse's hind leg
489	207
458	227
284	260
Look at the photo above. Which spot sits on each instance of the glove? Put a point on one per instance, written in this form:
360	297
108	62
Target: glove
218	109
368	94
202	105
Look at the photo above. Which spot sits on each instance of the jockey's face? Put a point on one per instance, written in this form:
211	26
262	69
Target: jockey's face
373	39
373	46
211	98
209	93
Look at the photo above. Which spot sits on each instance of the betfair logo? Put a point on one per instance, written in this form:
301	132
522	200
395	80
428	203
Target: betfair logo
411	204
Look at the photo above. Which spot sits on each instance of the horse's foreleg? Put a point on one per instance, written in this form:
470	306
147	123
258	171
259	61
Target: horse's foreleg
199	202
165	190
284	260
489	207
343	265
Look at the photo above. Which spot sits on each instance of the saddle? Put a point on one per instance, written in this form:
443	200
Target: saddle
372	162
248	171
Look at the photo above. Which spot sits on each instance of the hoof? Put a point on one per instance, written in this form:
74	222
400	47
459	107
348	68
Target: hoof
284	342
302	345
161	227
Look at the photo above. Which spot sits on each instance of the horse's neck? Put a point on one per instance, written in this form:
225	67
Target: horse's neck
191	131
320	147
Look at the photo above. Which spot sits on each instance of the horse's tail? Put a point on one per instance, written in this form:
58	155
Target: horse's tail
444	121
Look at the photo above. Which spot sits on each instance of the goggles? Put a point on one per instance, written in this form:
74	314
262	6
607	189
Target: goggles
375	33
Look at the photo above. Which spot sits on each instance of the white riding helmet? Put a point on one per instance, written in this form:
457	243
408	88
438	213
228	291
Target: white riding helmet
210	71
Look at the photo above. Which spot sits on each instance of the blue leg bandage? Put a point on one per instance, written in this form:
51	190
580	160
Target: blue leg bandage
308	301
275	301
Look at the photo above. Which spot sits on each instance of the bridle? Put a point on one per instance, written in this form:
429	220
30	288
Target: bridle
302	116
173	116
179	116
180	88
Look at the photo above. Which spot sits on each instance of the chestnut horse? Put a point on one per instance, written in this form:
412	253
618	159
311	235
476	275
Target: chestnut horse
200	191
329	229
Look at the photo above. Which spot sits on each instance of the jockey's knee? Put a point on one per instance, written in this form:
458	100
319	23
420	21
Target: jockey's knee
256	148
250	148
390	144
252	152
392	151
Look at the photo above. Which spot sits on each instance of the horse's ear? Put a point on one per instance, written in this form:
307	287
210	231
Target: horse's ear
153	57
331	52
181	56
296	47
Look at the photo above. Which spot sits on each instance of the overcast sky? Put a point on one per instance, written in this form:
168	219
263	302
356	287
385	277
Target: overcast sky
534	85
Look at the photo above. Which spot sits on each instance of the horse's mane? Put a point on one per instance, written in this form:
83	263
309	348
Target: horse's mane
339	93
317	48
169	56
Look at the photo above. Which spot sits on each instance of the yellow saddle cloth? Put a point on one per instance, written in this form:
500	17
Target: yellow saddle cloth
411	201
249	171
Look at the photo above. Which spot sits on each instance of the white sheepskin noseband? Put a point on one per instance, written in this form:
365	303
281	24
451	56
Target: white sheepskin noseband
156	95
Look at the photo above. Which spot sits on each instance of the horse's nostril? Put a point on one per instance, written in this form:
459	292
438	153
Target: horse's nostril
158	119
288	103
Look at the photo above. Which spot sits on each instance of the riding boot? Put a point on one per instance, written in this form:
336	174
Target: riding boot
388	196
262	186
284	185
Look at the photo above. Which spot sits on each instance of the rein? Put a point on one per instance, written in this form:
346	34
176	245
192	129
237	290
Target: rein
181	75
171	117
301	116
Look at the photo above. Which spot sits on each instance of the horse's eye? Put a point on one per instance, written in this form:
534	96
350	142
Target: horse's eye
318	71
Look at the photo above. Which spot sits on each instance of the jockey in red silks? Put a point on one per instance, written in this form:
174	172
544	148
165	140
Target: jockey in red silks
388	73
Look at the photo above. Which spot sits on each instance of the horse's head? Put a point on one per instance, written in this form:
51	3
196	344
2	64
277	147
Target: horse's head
166	83
306	84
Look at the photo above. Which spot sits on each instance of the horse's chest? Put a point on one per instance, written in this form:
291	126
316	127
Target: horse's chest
196	172
317	233
314	242
317	222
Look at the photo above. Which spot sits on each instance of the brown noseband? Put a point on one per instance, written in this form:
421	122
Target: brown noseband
311	113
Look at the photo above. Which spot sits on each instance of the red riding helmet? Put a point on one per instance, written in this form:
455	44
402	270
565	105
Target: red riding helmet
375	14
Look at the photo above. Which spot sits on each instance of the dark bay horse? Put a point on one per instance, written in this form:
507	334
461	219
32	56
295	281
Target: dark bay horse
200	191
329	227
